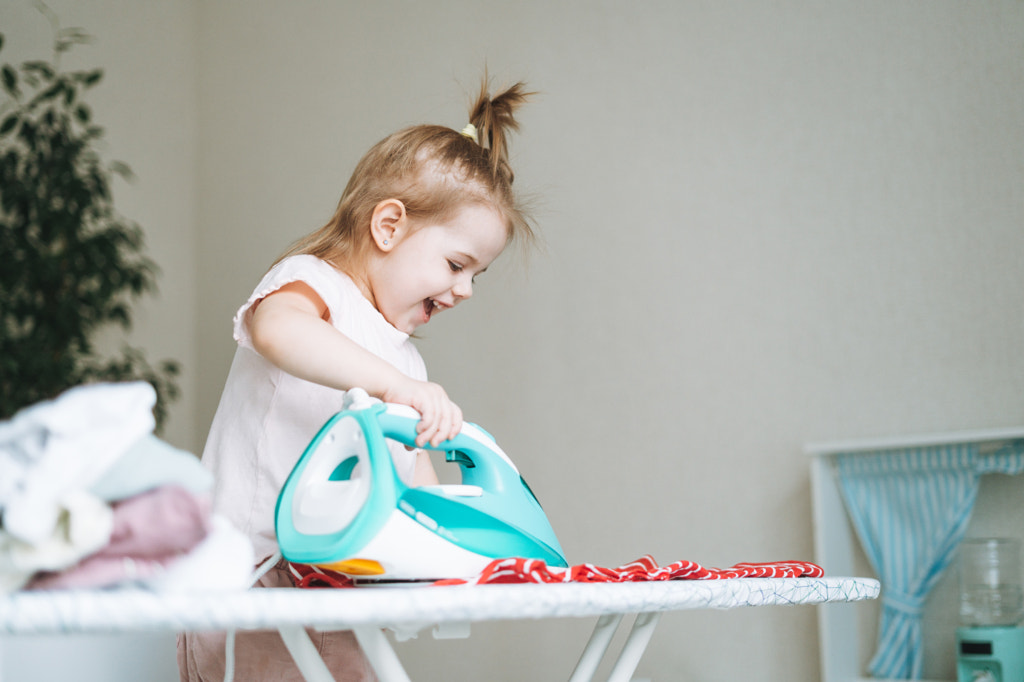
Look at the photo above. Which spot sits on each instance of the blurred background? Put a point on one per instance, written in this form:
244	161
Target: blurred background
762	224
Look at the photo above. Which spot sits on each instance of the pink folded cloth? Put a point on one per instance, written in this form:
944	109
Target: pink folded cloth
518	570
151	530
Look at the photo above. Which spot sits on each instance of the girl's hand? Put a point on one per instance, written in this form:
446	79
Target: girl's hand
441	418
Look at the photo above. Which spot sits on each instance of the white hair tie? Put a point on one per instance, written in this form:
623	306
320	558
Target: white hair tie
470	132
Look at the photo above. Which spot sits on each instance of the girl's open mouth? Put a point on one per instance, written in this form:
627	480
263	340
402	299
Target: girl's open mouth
429	308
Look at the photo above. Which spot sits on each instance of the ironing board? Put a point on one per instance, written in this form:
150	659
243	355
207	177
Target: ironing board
409	609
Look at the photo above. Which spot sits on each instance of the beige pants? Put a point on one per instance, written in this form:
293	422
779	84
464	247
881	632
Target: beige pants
263	656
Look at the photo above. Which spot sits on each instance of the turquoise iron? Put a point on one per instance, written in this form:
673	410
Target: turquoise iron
344	507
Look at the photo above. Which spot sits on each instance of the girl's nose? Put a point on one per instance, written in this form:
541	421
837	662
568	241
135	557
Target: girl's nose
463	289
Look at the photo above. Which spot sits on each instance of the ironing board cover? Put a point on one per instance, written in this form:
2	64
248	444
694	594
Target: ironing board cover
519	570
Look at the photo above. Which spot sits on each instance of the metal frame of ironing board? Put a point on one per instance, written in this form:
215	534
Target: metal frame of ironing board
410	609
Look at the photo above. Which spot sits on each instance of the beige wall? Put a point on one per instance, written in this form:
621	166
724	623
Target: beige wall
764	224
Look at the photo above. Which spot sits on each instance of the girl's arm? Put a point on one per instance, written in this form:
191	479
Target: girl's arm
424	474
289	328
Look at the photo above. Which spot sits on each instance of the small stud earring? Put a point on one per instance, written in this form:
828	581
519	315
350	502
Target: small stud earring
385	242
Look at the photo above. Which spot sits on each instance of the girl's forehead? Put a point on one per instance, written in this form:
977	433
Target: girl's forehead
480	231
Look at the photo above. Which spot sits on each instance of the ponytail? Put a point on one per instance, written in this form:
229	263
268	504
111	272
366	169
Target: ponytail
493	118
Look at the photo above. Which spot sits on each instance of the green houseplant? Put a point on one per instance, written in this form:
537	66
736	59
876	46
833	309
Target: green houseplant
69	264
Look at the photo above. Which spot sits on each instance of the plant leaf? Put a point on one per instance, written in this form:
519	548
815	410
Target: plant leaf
75	35
122	169
44	69
10	77
8	124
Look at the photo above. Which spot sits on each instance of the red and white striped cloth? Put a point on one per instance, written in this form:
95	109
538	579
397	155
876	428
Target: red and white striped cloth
517	570
645	568
307	575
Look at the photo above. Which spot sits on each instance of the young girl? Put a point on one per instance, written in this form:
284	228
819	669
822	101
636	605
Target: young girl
426	210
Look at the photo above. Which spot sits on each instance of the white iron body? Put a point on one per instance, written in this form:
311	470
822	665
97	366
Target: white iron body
344	507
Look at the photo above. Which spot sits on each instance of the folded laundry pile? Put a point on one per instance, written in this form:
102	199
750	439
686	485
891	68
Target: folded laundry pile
90	498
519	570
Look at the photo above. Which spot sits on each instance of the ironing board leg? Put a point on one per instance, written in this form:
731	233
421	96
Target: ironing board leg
633	649
305	655
595	650
382	657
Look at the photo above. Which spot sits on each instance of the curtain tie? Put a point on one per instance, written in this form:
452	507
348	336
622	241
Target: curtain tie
904	603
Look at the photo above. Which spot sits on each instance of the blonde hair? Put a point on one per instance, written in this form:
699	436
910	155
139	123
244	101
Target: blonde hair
434	171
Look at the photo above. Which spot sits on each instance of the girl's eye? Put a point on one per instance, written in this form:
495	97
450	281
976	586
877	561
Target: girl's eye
455	267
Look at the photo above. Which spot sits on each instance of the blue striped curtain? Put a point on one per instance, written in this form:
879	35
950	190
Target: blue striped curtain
910	508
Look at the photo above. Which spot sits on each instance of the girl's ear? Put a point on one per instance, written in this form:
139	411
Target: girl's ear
388	223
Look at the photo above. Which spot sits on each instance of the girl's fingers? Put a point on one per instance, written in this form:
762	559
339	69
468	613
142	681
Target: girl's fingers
441	424
440	418
456	424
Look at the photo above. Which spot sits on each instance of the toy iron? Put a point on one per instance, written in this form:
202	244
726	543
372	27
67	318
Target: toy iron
345	508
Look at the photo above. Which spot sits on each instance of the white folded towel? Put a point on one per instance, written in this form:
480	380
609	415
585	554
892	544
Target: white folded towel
58	446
